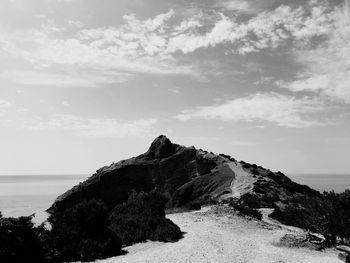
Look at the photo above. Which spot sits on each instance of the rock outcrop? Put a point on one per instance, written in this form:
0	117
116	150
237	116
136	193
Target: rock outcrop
187	175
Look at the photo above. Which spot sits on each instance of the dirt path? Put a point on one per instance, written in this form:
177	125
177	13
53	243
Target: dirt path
214	236
266	211
243	181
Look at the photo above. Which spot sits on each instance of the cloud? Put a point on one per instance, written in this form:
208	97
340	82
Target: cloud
75	23
189	42
109	128
267	29
65	103
158	45
4	105
119	51
263	80
154	39
176	90
237	5
69	79
327	67
242	6
281	26
275	108
191	23
149	25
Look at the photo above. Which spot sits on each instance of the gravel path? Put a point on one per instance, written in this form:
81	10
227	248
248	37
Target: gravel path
243	181
213	235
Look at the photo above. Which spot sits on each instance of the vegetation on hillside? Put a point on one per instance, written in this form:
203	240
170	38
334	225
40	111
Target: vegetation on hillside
328	214
87	231
81	233
246	210
20	240
148	224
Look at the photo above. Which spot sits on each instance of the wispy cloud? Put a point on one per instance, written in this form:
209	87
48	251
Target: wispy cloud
327	67
110	128
244	6
279	109
65	103
268	29
120	51
4	105
176	90
67	79
152	46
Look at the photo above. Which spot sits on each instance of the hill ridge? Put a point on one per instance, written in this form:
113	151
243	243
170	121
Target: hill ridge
186	175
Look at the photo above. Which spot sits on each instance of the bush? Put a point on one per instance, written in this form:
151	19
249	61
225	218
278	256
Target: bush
195	205
251	200
246	165
294	216
82	233
227	157
328	215
19	240
87	231
255	172
247	211
141	218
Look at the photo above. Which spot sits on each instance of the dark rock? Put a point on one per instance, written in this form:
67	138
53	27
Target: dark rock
161	147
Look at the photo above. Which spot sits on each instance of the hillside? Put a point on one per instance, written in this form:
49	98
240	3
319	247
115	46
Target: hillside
125	203
188	176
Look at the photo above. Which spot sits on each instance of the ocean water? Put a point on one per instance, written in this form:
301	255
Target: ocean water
25	195
323	182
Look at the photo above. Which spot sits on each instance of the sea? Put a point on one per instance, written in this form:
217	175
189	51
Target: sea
24	195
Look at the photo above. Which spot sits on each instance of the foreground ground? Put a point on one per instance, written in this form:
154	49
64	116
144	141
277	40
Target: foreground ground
214	235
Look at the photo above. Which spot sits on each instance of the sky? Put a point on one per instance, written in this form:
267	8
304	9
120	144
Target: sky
84	83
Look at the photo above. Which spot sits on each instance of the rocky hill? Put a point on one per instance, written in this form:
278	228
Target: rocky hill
188	176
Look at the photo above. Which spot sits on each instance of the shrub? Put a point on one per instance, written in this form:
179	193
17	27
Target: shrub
328	215
141	218
255	172
82	233
251	200
246	210
227	157
293	216
246	165
195	205
87	231
19	240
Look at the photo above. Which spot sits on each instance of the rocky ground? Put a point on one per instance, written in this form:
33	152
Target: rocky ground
217	234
